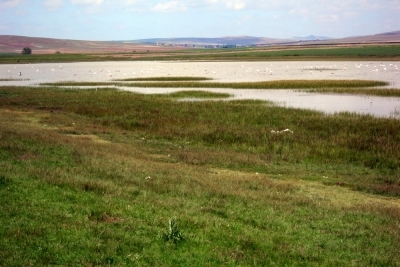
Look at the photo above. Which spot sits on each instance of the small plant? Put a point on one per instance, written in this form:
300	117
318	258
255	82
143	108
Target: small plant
173	234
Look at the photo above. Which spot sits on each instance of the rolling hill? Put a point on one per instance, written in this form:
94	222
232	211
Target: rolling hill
15	44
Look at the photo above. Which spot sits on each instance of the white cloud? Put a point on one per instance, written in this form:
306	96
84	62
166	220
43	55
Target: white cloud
130	2
325	6
173	6
299	12
237	5
9	3
87	2
230	4
53	4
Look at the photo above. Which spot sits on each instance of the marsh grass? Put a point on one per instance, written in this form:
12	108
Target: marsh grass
285	84
198	94
281	84
12	79
165	79
384	92
90	178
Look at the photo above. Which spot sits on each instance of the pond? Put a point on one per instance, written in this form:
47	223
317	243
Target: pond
33	74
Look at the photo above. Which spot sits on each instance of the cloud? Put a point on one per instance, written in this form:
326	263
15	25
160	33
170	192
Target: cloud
53	5
9	3
326	7
237	5
130	2
299	12
173	6
230	4
87	2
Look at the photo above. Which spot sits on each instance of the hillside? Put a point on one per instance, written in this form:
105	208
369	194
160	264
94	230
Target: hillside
14	44
227	40
388	37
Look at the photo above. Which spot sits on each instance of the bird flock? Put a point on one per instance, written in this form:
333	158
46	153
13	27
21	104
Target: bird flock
274	69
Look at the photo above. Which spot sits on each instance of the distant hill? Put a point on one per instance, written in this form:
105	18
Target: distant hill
228	40
312	38
387	37
15	44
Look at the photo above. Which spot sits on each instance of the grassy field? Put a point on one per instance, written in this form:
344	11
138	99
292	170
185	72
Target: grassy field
334	52
111	178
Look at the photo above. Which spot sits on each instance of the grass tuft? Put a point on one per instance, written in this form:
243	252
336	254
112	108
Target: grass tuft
173	233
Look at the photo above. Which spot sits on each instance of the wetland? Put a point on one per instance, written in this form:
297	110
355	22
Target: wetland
116	163
108	73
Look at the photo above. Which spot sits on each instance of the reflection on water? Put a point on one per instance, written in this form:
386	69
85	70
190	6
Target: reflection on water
33	74
329	103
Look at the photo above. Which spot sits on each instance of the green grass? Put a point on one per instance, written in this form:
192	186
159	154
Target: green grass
93	178
367	52
331	52
40	58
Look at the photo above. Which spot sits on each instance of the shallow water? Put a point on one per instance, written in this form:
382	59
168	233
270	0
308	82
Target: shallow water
33	74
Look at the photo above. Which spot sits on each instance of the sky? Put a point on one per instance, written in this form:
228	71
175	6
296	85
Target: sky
106	20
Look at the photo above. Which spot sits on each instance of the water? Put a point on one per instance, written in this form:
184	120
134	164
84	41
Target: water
33	74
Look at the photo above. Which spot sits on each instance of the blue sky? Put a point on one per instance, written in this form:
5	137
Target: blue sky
140	19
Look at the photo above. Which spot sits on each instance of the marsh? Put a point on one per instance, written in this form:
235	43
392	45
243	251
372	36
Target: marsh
388	71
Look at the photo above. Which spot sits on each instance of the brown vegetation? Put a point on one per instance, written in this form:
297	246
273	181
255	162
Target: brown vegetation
14	44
